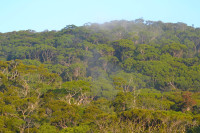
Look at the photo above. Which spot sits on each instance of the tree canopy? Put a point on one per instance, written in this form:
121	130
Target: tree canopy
120	76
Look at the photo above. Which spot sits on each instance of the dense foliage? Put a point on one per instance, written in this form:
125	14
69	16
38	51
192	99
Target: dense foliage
121	76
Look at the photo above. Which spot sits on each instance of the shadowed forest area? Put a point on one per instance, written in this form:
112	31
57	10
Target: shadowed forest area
120	76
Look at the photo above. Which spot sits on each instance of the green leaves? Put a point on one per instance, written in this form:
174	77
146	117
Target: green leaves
63	115
122	76
123	48
77	85
175	49
47	128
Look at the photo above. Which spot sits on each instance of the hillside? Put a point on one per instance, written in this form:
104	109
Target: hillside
120	76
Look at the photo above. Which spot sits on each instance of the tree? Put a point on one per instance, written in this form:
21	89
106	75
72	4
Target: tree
188	102
123	49
62	114
77	90
47	128
175	49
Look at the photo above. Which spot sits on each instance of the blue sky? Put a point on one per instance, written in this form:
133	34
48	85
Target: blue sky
40	15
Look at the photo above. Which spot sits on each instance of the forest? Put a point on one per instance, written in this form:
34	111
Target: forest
117	77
